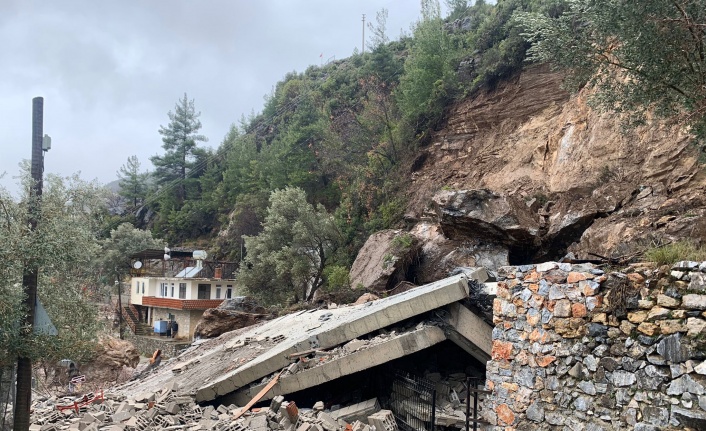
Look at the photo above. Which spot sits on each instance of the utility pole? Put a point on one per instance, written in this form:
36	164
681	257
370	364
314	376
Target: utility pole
119	283
362	51
23	399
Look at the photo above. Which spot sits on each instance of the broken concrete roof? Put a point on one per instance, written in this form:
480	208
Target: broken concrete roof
235	363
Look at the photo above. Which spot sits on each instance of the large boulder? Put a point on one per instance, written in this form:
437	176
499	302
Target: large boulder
113	353
112	357
232	314
485	214
440	256
384	260
527	230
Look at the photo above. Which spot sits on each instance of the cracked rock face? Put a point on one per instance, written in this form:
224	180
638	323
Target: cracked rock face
509	222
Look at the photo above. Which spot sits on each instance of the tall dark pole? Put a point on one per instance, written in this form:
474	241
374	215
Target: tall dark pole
120	303
23	400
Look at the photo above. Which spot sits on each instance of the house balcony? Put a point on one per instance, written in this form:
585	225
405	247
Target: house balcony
181	304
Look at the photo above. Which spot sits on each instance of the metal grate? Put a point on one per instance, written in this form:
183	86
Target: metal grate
413	402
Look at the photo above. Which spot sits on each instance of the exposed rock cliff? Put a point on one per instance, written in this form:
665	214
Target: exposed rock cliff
530	172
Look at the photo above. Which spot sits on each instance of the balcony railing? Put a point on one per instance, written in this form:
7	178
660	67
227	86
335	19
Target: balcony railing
218	270
181	304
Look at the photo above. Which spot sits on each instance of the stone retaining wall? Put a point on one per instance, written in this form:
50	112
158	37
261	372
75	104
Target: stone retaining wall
576	349
147	345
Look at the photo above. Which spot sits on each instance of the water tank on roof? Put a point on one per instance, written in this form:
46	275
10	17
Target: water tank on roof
200	255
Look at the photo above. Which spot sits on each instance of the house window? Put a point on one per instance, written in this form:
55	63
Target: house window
163	289
204	291
143	287
172	295
137	287
218	292
229	292
182	290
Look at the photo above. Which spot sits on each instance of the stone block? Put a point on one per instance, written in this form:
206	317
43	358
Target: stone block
172	408
121	416
647	328
637	316
357	412
562	308
694	302
667	301
383	421
276	403
658	313
697	282
667	327
258	423
327	421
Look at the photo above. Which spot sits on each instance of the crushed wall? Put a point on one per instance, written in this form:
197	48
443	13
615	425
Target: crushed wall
565	358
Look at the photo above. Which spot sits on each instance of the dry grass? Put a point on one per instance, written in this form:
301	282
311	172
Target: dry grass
671	253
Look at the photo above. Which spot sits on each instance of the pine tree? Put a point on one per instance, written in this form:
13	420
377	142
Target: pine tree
179	140
132	182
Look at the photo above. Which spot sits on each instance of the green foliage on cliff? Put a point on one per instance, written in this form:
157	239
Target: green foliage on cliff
644	57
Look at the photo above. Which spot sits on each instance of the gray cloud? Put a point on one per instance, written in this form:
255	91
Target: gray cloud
109	71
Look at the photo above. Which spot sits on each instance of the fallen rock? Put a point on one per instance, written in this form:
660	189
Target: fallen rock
216	321
383	261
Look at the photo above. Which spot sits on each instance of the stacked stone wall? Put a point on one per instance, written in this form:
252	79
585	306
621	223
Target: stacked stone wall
577	349
147	345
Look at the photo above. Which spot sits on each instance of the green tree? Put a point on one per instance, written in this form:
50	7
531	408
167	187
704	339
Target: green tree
179	141
124	241
287	259
378	31
114	262
642	56
132	183
429	80
62	247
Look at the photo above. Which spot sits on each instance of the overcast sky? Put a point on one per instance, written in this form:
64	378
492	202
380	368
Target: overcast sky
109	71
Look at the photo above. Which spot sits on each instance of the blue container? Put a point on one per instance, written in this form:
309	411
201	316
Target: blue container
160	327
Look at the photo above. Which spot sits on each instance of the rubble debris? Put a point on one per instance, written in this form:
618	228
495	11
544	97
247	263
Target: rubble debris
165	410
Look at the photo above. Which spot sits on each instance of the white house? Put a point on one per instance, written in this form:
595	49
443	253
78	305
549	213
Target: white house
177	289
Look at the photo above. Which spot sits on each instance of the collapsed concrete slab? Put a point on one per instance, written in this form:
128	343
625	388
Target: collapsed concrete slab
469	332
232	363
377	354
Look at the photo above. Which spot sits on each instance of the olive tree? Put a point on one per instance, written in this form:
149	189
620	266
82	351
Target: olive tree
287	259
62	247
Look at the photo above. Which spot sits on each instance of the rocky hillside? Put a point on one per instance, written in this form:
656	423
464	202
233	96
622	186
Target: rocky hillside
527	173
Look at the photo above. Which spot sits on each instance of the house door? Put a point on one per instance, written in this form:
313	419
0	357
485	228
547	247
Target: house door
204	291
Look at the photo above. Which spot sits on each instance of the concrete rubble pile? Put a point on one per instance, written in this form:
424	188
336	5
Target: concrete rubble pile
317	346
166	410
301	350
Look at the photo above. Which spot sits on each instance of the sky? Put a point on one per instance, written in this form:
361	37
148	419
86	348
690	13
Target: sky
110	71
